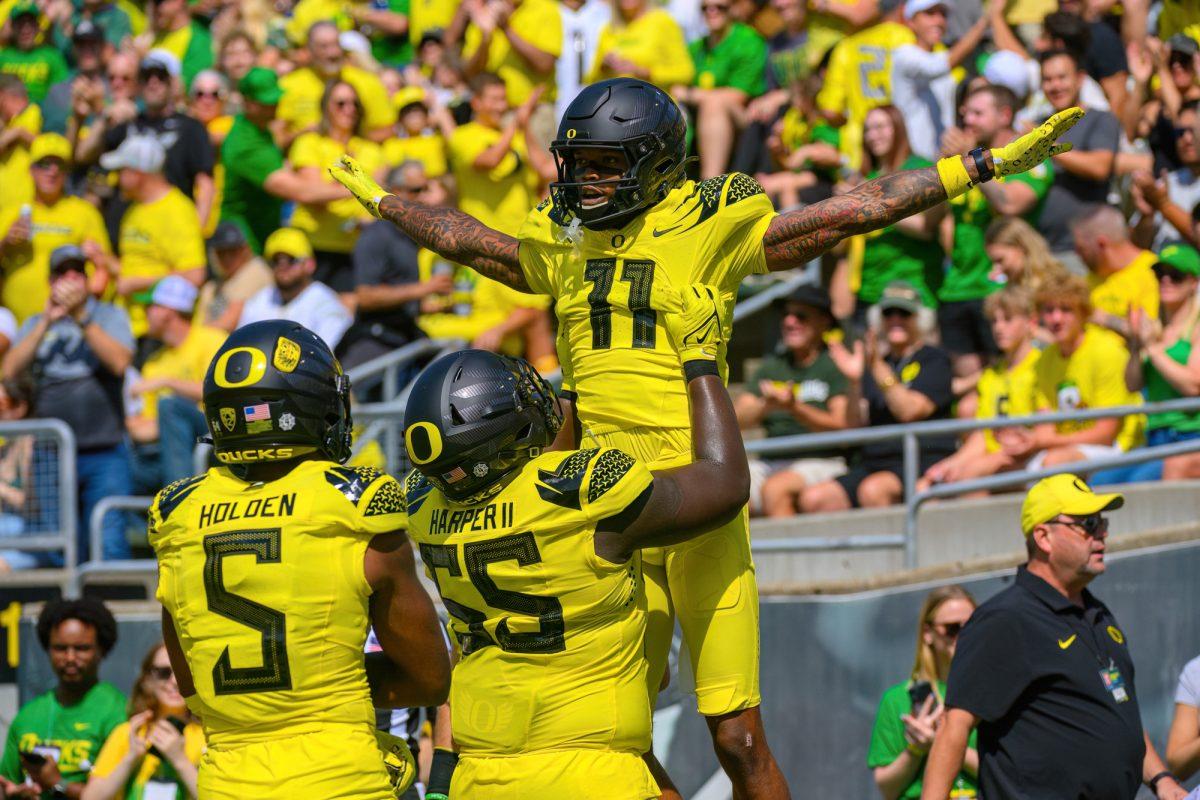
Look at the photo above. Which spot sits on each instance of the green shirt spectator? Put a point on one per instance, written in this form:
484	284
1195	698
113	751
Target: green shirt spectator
737	61
108	17
893	255
192	44
249	155
813	384
392	51
967	278
55	738
38	66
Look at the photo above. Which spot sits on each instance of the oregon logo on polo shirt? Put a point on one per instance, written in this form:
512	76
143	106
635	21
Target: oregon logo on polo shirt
1116	634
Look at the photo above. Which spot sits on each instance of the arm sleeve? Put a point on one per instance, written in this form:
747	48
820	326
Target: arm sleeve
254	164
305	151
115	322
1188	691
1105	135
533	250
200	149
914	63
674	65
114	749
739	227
614	480
887	735
990	669
933	380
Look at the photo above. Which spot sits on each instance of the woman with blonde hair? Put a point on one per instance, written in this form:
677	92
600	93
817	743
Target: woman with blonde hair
911	711
155	753
1020	255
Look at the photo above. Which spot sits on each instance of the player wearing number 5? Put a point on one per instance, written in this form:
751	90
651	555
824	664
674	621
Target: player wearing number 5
536	556
621	216
271	567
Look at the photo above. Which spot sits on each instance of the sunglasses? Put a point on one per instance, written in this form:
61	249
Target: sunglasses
897	312
199	94
160	673
948	629
120	76
1180	59
1165	273
48	163
1182	132
344	103
715	8
284	261
158	74
1092	527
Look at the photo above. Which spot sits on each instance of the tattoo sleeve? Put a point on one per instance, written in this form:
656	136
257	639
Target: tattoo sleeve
799	236
460	238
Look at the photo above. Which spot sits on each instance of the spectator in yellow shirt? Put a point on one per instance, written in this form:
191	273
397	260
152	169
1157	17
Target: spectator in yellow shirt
421	134
167	417
1120	274
1083	368
643	42
20	122
55	219
304	88
333	227
160	232
519	40
1005	389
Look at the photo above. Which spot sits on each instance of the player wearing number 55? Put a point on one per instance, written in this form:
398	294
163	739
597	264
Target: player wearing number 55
536	555
1044	670
271	567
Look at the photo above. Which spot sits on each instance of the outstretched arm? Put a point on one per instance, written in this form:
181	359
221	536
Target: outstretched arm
450	233
798	236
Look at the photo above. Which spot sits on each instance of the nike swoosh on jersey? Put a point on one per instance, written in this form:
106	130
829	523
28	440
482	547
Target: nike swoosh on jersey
1063	644
656	232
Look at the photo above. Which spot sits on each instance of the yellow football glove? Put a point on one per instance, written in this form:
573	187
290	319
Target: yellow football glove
349	173
695	329
398	759
1026	152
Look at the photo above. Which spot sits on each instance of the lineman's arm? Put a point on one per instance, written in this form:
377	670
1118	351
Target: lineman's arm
798	236
946	757
413	669
714	488
450	233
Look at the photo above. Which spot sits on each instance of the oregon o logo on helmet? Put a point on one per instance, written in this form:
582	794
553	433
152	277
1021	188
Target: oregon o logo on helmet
258	367
571	133
432	441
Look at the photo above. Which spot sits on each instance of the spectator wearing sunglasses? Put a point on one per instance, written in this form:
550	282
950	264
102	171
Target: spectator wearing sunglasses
1043	670
911	712
1165	362
1165	205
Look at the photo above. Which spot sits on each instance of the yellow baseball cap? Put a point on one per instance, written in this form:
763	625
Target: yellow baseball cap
289	242
1063	494
50	145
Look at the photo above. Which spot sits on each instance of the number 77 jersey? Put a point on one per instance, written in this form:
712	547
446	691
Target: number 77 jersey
616	355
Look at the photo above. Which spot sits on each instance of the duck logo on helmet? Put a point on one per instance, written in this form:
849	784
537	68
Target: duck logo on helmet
228	418
287	355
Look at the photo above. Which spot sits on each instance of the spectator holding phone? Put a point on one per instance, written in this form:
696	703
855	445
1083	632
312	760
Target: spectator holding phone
157	752
55	737
911	711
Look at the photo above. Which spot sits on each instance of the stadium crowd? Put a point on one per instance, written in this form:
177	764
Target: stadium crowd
163	181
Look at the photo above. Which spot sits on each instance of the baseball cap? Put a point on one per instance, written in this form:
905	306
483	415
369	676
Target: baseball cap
1182	257
176	293
139	152
914	7
1063	494
810	295
66	258
902	295
25	9
289	242
50	145
161	59
1182	43
1006	68
87	30
227	236
432	35
409	95
260	85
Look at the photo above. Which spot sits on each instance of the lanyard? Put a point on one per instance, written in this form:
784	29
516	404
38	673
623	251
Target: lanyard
1088	637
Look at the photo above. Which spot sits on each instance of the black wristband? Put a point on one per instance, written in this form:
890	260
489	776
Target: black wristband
698	368
1153	782
441	771
986	173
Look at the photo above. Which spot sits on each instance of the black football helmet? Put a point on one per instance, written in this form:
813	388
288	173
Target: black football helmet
275	391
640	120
474	417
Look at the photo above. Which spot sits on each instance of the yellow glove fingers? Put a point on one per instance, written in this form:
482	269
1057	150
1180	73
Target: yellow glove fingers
349	173
1059	149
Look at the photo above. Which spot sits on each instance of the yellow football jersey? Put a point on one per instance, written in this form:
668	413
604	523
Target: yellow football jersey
551	634
624	369
1007	391
265	583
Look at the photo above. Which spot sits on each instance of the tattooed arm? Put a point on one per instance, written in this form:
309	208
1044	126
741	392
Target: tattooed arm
458	237
799	236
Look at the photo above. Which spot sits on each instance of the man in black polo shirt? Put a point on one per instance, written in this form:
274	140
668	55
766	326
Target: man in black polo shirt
1044	670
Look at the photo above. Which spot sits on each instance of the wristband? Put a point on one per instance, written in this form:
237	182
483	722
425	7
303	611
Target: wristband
985	172
954	176
916	751
440	773
1153	782
698	368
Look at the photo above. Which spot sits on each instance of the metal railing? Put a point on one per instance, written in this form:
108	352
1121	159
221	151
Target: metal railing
910	436
50	510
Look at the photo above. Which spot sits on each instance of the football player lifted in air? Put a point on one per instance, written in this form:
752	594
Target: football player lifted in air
536	555
621	216
270	568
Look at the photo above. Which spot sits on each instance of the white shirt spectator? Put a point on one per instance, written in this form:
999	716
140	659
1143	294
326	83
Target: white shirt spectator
687	15
581	31
923	88
316	308
1188	691
1183	189
8	325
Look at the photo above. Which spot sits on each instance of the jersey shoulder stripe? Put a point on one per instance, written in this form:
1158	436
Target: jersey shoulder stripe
561	486
388	499
352	482
416	490
611	466
173	494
